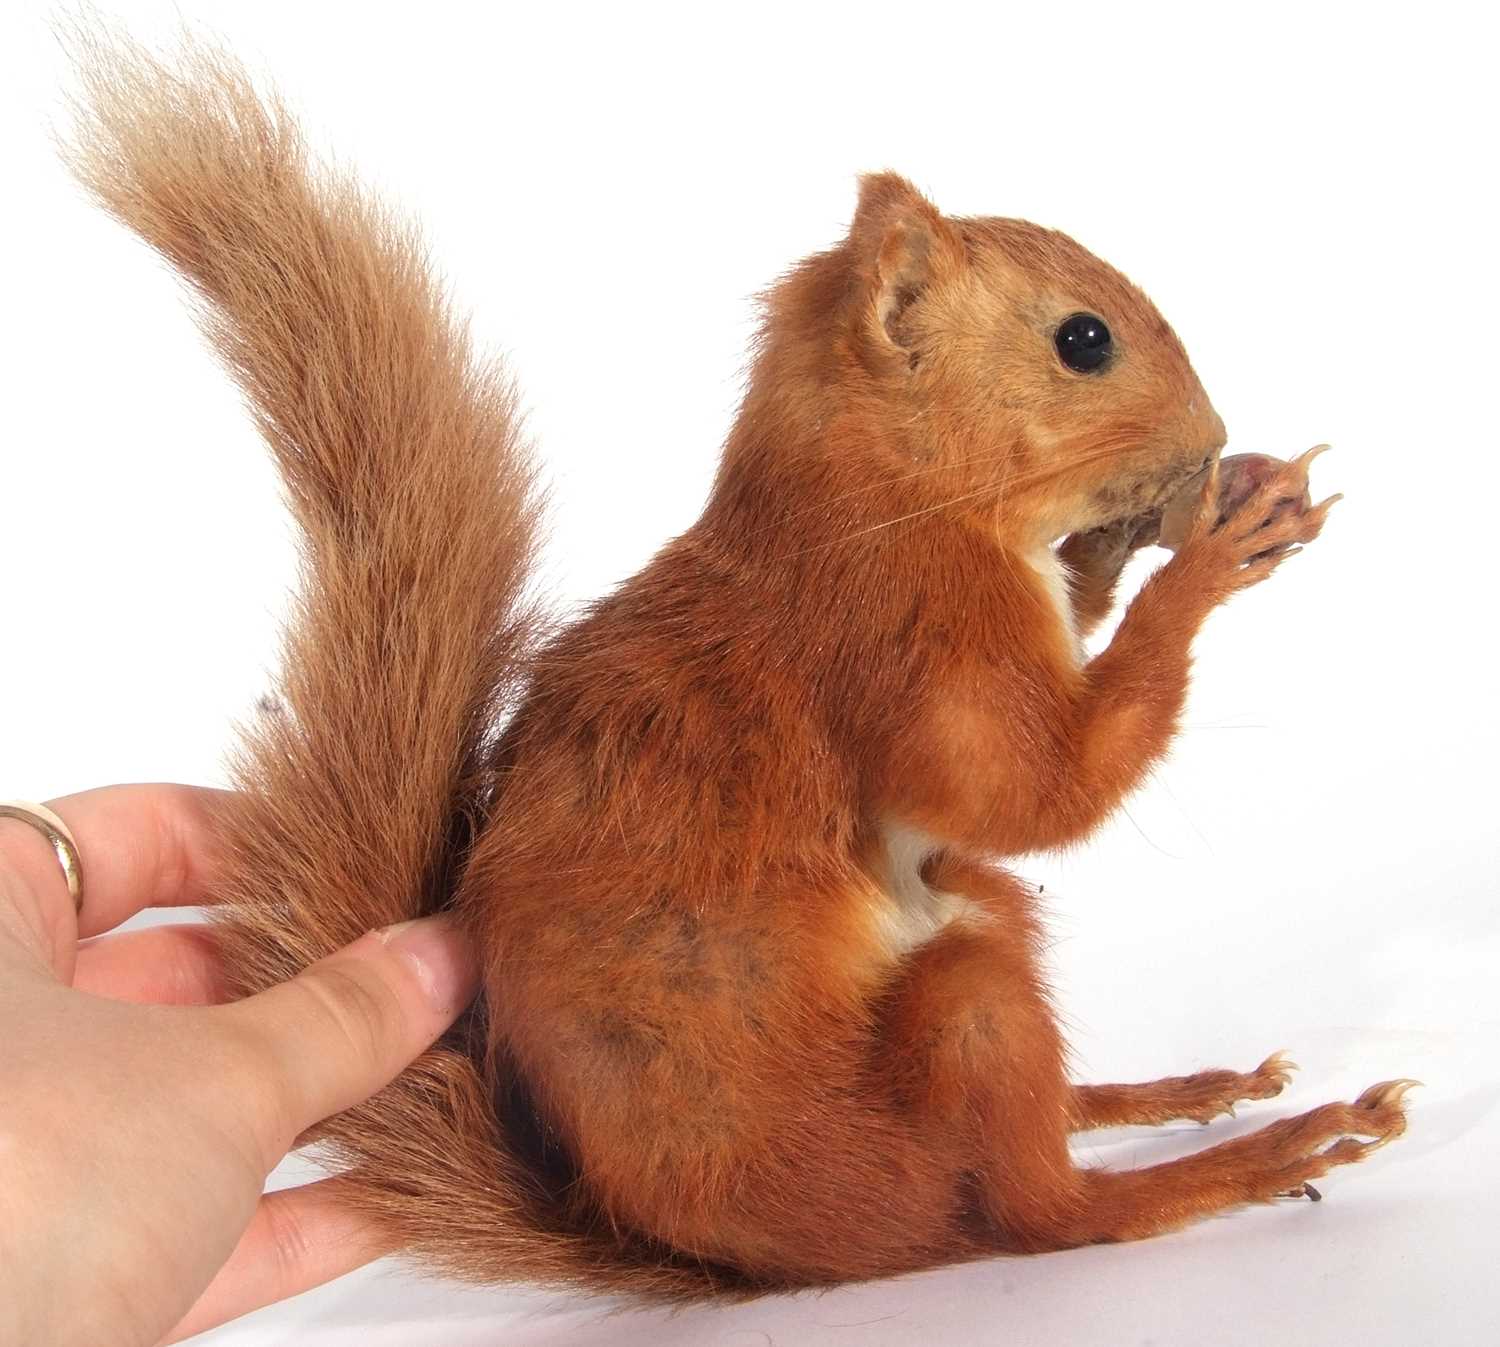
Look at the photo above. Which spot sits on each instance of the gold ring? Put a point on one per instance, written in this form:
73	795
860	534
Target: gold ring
55	831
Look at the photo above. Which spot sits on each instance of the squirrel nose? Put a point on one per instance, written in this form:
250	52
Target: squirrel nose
1205	428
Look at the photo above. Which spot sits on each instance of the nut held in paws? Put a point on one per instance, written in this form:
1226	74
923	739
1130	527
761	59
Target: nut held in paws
1240	475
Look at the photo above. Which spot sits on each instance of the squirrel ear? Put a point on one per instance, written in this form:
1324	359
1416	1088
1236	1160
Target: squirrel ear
901	243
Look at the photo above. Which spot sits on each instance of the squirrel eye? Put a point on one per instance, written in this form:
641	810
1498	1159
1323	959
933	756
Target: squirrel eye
1083	343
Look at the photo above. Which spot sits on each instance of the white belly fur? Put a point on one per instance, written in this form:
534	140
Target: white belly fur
1053	575
908	913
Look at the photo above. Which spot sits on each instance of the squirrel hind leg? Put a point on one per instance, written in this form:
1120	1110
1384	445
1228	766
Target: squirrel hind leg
977	1047
1200	1097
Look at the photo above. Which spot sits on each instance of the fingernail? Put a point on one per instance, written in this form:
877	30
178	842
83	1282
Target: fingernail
441	957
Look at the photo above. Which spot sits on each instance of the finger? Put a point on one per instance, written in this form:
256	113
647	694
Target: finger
345	1027
1261	566
1316	516
166	965
1206	510
298	1238
141	846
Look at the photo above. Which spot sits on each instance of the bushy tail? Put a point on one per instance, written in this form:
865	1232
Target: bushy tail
402	463
414	494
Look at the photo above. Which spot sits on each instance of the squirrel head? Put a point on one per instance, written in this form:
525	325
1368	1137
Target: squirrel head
1013	375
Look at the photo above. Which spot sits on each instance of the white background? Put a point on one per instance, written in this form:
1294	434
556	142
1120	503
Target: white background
1307	201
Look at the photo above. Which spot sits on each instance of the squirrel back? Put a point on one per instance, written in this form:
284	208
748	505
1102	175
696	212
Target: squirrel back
410	482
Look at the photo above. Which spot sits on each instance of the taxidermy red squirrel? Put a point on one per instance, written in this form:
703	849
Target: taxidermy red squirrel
762	1010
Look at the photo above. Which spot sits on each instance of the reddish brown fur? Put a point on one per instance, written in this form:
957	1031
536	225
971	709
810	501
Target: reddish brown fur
761	1009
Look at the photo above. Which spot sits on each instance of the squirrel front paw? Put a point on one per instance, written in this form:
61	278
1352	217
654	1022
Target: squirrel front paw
1105	551
1247	516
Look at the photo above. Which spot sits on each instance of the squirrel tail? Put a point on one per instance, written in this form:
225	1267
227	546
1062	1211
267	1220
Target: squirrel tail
403	466
414	494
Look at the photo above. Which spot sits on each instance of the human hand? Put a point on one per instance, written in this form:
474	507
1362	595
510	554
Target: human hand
140	1113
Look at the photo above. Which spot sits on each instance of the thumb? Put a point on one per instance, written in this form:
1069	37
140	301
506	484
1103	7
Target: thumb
348	1025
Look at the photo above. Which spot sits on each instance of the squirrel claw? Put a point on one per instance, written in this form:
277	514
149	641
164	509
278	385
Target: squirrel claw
1387	1094
1304	461
1276	1071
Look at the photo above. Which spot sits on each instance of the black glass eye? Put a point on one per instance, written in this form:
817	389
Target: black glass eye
1084	343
